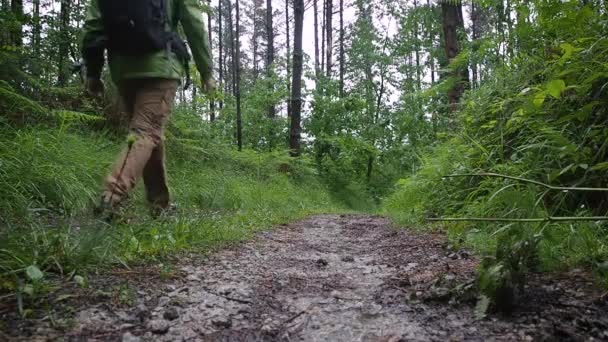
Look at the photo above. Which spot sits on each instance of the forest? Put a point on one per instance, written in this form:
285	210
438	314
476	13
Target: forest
480	121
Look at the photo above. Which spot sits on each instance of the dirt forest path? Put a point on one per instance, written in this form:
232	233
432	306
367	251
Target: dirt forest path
336	278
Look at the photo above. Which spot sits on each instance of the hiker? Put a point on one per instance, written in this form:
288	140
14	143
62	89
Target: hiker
147	60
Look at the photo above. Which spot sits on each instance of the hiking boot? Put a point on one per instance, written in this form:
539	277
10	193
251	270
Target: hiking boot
107	210
160	212
104	211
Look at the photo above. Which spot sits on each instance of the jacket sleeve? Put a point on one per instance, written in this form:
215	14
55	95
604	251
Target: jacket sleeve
93	41
191	18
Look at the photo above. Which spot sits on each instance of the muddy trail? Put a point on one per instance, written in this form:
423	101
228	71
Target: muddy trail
329	278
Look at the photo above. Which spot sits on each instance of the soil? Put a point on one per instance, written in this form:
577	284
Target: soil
327	278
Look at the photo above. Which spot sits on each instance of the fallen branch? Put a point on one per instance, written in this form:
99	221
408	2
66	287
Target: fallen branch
524	220
294	317
241	301
525	180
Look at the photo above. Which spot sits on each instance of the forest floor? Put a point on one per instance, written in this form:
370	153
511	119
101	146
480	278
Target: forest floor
326	278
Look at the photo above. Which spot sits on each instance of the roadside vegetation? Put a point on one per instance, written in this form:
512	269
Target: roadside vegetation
479	111
50	180
541	117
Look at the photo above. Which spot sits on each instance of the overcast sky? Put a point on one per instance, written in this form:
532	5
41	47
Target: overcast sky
308	36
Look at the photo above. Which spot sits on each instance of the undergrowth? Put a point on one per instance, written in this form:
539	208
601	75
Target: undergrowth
542	120
510	250
50	178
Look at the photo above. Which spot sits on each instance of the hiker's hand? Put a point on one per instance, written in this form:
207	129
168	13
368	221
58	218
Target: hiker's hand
209	86
95	87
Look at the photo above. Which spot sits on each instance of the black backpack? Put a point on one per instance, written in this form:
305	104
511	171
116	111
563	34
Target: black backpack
135	27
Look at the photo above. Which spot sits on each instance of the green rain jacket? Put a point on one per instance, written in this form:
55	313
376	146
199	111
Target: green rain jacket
155	65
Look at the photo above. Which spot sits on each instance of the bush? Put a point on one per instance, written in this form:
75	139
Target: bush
543	119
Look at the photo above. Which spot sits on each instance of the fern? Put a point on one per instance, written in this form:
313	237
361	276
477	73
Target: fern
13	104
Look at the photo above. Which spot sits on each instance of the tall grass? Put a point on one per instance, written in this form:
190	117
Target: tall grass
428	194
542	116
50	178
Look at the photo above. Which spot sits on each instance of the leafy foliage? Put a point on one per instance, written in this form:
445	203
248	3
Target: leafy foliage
381	130
541	116
50	177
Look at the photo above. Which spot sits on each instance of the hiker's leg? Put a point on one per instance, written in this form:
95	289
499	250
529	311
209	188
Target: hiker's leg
115	190
152	104
155	179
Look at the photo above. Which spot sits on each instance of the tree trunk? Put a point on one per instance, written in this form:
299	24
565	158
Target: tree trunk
36	40
452	24
323	35
232	50
316	15
220	37
37	28
475	36
431	41
5	39
254	39
64	43
270	52
510	30
288	67
17	32
211	102
417	49
239	121
376	113
342	48
195	103
323	24
296	95
500	19
329	37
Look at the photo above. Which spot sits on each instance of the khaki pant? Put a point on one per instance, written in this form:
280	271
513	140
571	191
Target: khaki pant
149	102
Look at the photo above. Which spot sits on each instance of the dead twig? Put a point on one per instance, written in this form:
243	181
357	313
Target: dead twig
105	333
294	317
524	220
242	301
525	180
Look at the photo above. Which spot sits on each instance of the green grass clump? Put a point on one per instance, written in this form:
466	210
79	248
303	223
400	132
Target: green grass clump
542	117
49	171
509	250
429	194
51	177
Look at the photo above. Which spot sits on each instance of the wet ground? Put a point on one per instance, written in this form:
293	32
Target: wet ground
327	278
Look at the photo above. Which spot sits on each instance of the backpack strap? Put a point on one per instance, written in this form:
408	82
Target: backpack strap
175	44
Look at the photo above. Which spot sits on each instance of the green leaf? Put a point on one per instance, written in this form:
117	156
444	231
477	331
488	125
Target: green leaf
28	289
81	281
64	297
556	87
600	166
553	175
539	99
568	50
566	169
34	273
134	244
490	124
131	139
482	307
